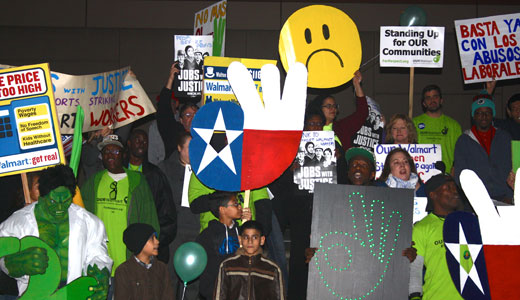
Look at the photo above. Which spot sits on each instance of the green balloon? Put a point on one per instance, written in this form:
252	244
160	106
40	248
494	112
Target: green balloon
190	261
413	16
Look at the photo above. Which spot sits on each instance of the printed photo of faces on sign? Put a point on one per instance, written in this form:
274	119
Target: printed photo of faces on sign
189	53
315	160
371	133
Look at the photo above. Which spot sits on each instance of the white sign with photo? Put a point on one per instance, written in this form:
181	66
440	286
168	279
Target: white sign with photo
316	160
190	51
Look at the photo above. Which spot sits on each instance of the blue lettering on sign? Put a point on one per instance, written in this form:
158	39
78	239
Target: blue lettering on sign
111	84
55	77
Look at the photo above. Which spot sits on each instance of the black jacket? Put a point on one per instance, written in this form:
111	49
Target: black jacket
218	246
169	128
166	212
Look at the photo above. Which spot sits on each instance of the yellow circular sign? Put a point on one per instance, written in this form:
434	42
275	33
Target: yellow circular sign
326	40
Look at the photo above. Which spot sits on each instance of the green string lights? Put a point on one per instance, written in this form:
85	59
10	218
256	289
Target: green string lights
371	232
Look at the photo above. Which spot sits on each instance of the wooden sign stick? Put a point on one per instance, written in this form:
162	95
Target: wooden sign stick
410	93
246	202
26	192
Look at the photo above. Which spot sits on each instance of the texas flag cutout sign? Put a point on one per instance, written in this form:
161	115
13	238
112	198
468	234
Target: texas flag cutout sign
236	148
500	244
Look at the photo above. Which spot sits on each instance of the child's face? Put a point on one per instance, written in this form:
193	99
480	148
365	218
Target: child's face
151	247
233	209
251	241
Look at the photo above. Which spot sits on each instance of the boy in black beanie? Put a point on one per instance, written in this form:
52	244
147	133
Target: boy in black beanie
142	276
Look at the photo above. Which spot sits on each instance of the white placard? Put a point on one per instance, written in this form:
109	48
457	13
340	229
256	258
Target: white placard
424	156
402	46
489	48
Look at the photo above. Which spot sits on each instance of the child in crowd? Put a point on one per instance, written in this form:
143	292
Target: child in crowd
263	278
220	239
142	276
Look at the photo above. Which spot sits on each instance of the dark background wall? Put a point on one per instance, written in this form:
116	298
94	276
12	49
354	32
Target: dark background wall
92	36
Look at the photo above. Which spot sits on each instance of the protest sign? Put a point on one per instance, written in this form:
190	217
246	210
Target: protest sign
424	156
489	47
109	98
190	51
216	84
371	132
326	40
212	21
29	131
359	233
417	46
316	160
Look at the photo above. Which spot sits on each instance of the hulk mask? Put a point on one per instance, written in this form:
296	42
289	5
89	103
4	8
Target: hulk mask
56	203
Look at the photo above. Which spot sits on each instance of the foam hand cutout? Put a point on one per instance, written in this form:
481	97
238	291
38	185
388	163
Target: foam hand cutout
31	261
245	147
495	224
500	238
102	277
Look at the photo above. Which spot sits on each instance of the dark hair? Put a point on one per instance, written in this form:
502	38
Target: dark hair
312	113
186	49
317	102
307	144
386	169
32	176
53	177
252	225
431	87
327	149
219	199
514	98
185	106
136	132
183	137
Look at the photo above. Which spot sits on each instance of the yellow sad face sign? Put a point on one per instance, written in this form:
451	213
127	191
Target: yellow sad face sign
326	40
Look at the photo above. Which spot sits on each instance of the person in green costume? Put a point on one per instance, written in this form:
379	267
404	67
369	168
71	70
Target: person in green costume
77	236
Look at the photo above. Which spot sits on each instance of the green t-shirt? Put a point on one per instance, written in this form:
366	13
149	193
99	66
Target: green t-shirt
198	189
427	235
329	128
443	130
112	208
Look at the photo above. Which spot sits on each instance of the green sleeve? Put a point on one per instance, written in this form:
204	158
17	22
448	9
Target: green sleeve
197	189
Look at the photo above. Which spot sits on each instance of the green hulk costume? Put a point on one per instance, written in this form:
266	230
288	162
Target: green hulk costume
54	218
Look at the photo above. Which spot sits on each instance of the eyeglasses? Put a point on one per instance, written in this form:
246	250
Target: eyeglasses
188	115
330	106
113	151
113	192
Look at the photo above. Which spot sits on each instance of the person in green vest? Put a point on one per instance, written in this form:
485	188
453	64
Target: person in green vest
119	197
434	127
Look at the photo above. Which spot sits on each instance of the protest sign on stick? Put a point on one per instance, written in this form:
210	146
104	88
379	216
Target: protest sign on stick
489	48
29	131
190	51
212	21
113	98
410	47
216	84
316	160
424	156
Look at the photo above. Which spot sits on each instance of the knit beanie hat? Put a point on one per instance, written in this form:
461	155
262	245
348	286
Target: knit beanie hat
136	235
482	100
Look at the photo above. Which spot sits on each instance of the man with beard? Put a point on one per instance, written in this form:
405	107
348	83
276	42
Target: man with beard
161	191
434	127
